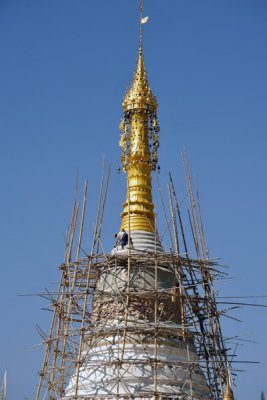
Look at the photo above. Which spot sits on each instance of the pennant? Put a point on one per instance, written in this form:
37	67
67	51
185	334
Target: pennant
144	20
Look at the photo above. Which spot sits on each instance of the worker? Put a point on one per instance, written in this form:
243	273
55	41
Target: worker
122	239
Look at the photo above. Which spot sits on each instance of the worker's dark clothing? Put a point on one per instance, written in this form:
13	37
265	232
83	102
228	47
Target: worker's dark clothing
124	239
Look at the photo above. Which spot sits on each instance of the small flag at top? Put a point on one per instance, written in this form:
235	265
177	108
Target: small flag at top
144	20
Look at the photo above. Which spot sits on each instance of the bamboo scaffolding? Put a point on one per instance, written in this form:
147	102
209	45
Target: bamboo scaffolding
189	310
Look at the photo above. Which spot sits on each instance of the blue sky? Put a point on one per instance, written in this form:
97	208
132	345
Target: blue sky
64	68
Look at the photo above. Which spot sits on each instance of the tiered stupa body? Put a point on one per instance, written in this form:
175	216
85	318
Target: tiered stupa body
140	350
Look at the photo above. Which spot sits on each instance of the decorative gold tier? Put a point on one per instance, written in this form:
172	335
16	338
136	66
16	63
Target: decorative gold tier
139	187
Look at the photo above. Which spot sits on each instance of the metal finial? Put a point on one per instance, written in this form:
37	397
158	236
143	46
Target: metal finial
141	28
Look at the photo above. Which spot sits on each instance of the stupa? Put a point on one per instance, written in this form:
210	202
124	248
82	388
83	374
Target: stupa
138	322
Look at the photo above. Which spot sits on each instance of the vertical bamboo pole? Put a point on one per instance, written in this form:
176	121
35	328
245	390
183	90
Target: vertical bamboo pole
66	314
193	280
179	215
156	315
57	314
86	293
179	271
193	206
218	353
77	263
164	210
190	372
128	276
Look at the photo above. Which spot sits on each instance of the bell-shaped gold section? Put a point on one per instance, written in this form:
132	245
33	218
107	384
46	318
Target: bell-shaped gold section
139	143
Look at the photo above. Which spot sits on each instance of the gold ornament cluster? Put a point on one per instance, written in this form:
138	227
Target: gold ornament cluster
140	105
131	143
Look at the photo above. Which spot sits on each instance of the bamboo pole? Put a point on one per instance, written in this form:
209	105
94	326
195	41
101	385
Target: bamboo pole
164	211
77	258
155	315
68	306
128	276
84	307
180	279
56	313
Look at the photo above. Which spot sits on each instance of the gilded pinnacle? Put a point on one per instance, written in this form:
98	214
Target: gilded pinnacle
139	142
140	95
228	394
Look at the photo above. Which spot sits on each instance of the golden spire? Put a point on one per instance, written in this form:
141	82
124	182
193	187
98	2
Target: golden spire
140	94
139	142
228	394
